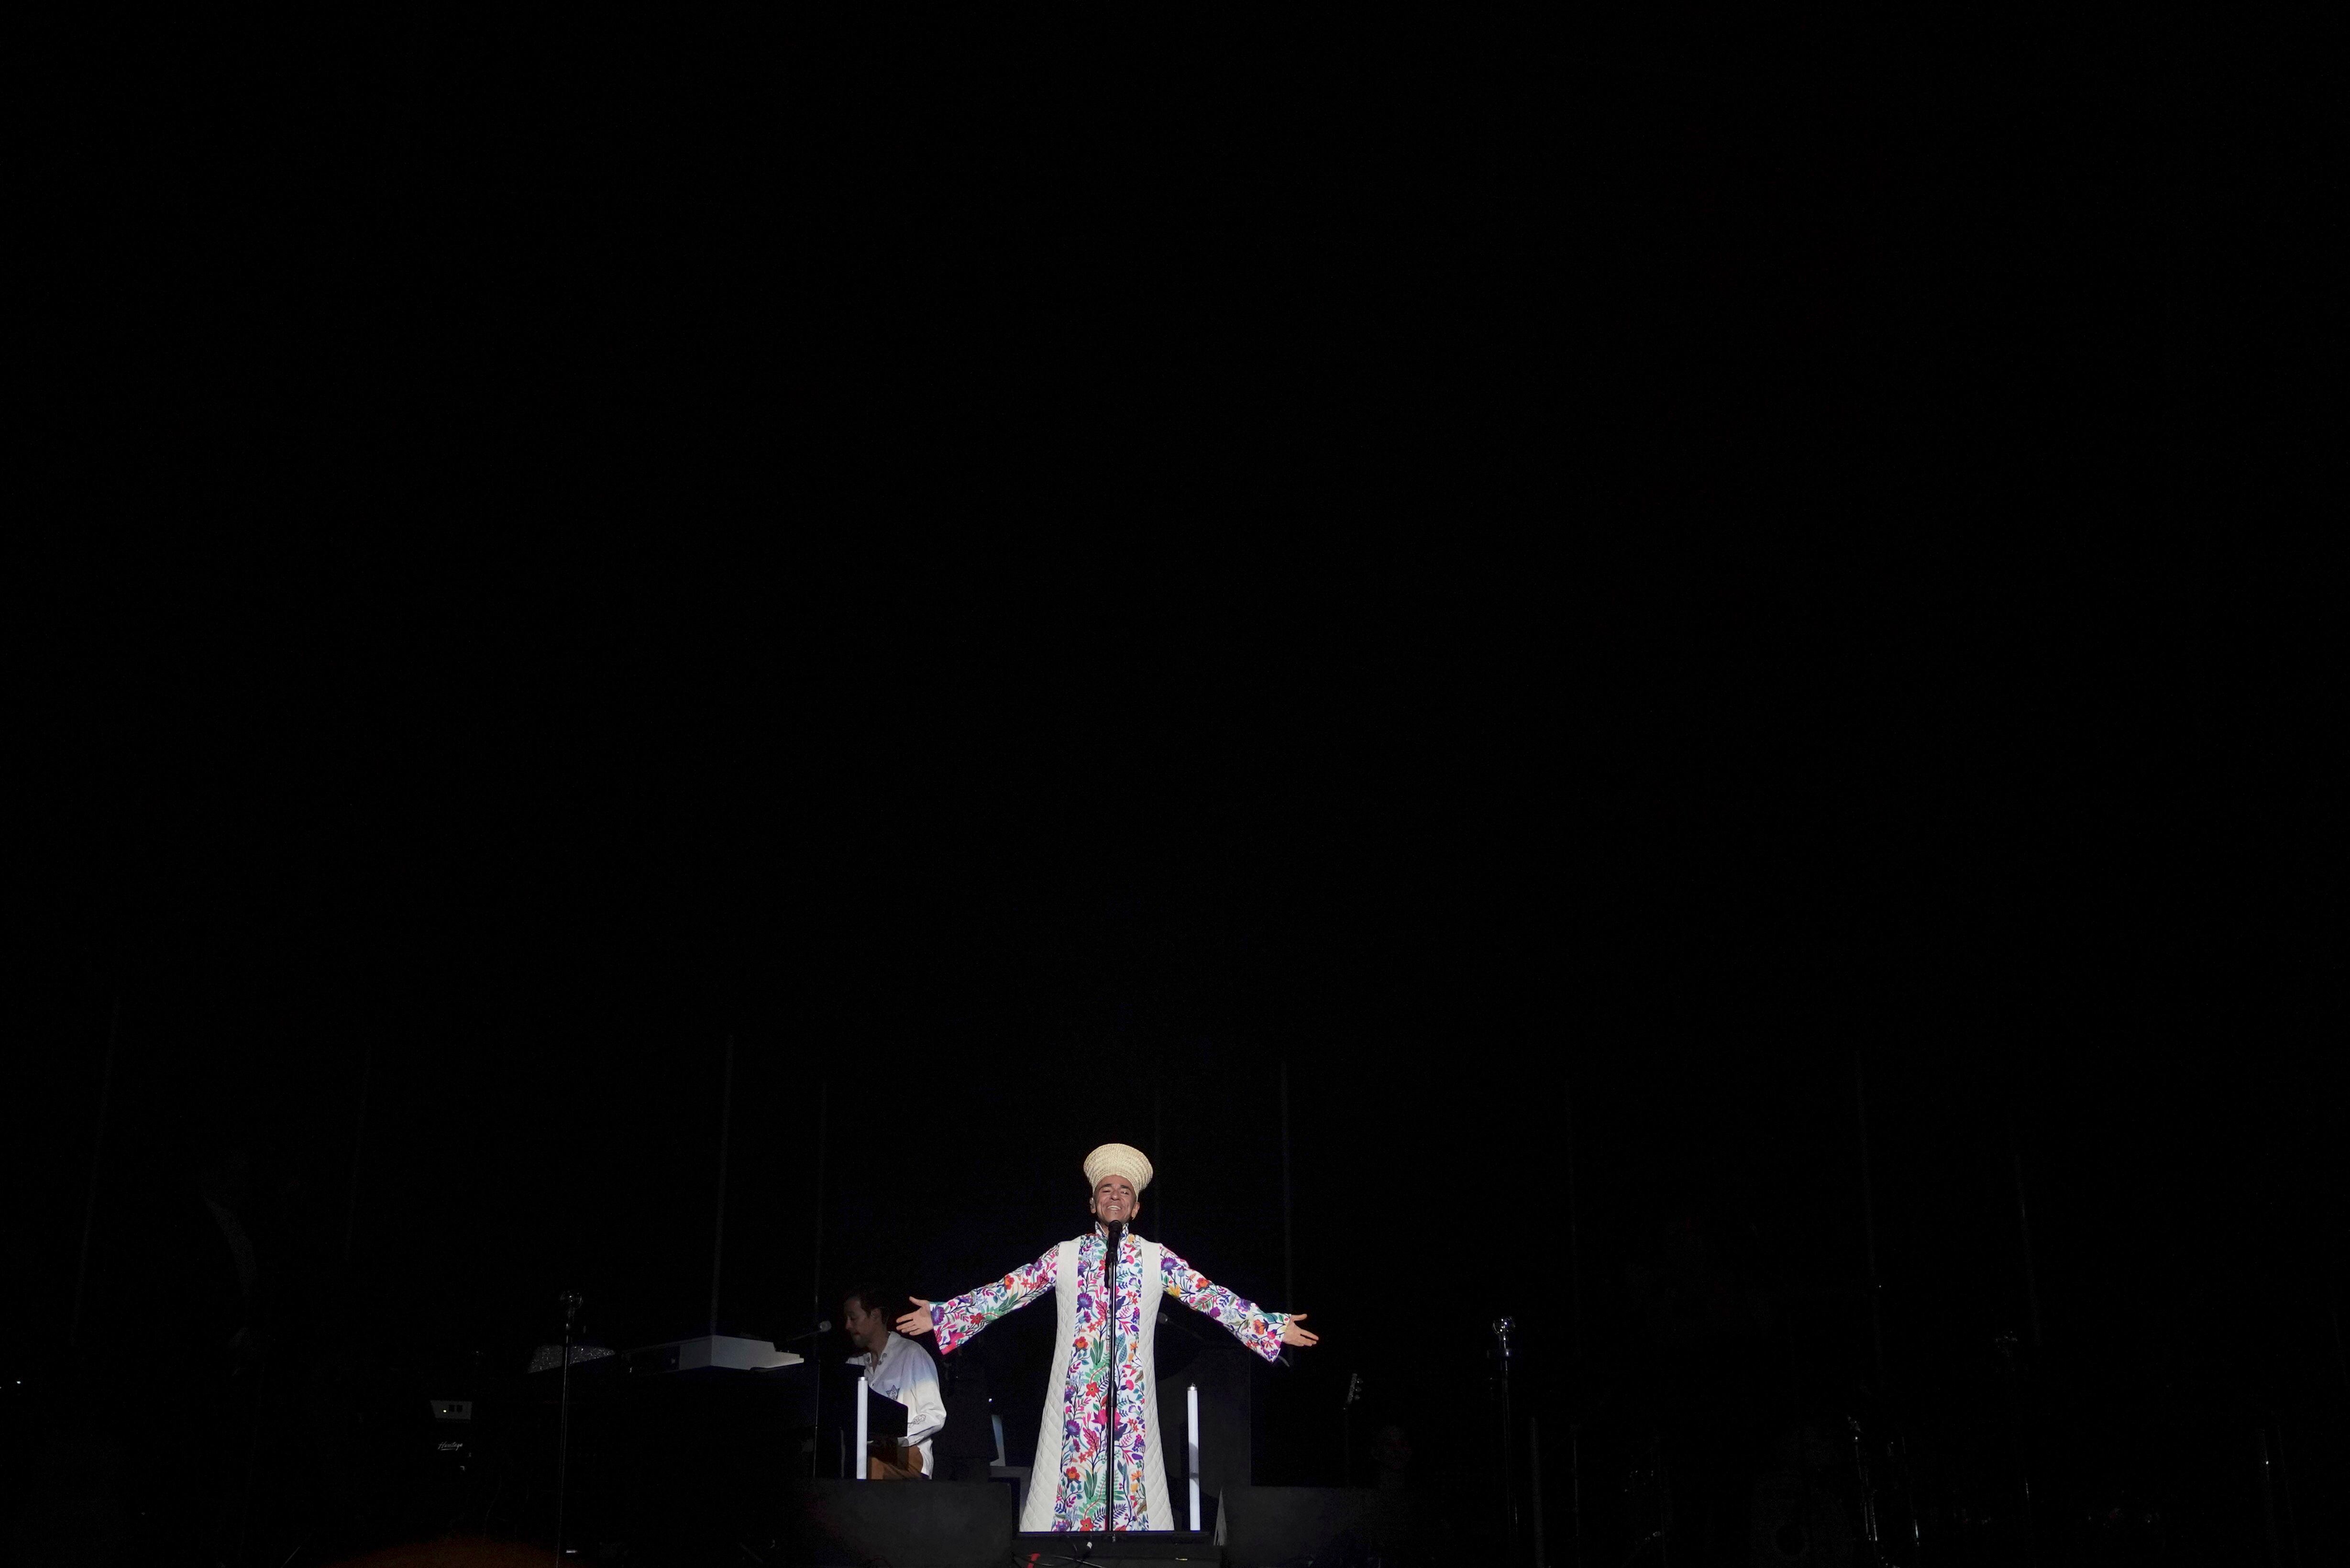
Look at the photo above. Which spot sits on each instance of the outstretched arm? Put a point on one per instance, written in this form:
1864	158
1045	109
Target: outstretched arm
1263	1332
957	1320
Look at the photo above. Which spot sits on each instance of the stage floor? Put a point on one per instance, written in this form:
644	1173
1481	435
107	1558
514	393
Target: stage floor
1045	1549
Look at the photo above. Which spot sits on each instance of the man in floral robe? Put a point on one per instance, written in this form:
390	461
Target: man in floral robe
1078	1483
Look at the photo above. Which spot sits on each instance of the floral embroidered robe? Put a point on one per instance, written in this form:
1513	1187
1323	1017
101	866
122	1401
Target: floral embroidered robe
1067	1489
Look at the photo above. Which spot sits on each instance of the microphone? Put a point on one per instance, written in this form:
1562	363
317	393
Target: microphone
824	1325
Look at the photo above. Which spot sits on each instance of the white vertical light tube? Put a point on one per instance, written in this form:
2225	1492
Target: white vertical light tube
1192	1448
862	1472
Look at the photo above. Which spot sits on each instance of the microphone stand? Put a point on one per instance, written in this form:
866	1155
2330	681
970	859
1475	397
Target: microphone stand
570	1300
1110	1383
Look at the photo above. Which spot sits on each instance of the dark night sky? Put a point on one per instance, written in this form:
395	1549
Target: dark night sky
1035	591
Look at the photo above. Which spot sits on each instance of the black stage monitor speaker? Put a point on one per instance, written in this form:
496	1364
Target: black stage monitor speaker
901	1524
1262	1526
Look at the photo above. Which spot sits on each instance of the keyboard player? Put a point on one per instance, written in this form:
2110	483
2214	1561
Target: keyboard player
896	1368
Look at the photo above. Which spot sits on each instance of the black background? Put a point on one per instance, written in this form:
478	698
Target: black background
1031	578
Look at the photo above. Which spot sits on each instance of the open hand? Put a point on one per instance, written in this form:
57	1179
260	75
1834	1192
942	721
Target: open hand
917	1321
1293	1335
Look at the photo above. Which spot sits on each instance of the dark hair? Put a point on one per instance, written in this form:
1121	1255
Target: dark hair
872	1298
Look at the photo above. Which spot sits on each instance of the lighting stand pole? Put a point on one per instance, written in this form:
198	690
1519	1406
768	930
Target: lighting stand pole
1868	1226
97	1165
1288	1253
718	1233
358	1147
2023	1222
816	1292
570	1300
1501	1327
1899	1476
1574	1346
2268	1495
1534	1486
2021	1440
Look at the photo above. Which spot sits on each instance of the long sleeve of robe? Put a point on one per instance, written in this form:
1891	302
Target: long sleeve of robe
1070	1487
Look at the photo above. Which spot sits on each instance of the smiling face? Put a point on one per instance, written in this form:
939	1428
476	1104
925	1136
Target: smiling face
1114	1201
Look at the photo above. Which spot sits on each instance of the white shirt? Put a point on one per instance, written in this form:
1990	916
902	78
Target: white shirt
903	1372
